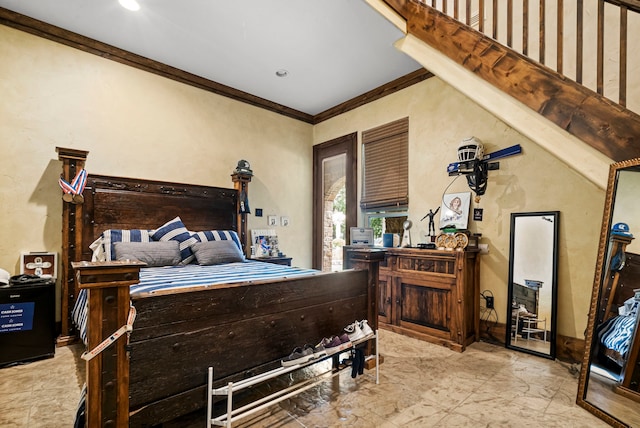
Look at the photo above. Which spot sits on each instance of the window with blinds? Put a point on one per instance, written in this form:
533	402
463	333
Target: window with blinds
386	166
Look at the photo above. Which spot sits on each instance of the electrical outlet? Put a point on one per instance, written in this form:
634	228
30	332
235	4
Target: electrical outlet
489	302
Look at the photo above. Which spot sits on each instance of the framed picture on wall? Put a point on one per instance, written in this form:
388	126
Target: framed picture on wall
455	210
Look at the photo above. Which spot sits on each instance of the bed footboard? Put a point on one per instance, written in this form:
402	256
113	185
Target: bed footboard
108	372
240	330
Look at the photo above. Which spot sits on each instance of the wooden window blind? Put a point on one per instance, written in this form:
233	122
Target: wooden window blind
386	166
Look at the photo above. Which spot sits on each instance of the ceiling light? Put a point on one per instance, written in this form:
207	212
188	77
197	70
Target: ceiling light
282	73
129	4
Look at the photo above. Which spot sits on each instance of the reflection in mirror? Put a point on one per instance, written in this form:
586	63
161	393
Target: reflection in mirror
532	283
609	383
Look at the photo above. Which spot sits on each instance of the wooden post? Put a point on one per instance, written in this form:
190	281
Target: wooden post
241	184
108	373
610	282
369	259
72	161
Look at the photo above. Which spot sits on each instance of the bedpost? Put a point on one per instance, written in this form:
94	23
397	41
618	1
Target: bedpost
107	373
72	161
369	259
241	182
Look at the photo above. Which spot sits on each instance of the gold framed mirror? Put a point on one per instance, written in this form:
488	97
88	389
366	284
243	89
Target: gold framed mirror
609	384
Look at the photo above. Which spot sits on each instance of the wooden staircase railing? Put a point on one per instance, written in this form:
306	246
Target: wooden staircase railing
494	40
565	31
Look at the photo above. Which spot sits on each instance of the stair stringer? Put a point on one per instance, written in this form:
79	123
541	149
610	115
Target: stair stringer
575	153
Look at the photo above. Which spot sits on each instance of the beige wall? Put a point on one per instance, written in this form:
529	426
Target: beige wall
627	206
134	124
141	125
439	118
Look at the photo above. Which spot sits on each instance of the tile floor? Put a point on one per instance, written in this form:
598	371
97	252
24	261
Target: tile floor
421	385
43	393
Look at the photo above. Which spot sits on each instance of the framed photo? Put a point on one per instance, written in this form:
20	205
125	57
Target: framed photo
44	264
272	220
361	235
264	243
455	210
284	221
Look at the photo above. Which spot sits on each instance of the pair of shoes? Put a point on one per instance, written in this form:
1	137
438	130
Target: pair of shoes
358	330
345	339
298	356
354	331
364	326
524	312
330	342
335	344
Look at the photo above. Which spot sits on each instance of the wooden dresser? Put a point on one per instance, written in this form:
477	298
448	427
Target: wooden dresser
429	294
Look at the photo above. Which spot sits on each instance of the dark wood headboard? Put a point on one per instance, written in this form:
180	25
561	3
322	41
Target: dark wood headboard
127	203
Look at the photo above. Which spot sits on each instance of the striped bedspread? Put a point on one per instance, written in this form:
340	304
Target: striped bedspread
162	280
616	333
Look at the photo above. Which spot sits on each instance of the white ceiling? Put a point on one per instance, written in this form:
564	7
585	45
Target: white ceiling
334	50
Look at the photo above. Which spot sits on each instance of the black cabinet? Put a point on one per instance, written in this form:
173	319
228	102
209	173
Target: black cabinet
27	323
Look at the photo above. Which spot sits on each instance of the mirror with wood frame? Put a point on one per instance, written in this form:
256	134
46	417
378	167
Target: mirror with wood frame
609	384
533	259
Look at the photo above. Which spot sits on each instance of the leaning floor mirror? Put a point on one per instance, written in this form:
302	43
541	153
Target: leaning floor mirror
531	316
609	384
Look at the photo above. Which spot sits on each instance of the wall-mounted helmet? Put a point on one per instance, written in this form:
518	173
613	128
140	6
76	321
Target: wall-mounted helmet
469	149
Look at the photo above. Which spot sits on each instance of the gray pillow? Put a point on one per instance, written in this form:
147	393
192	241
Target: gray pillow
164	253
217	252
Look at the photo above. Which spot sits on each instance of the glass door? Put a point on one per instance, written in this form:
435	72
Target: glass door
335	205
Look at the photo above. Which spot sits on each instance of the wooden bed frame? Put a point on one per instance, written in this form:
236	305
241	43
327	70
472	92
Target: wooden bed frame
239	329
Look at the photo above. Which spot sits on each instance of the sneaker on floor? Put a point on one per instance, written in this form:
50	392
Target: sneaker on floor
354	332
298	356
366	330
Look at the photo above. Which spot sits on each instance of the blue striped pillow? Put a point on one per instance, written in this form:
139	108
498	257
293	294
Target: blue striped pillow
219	235
175	230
